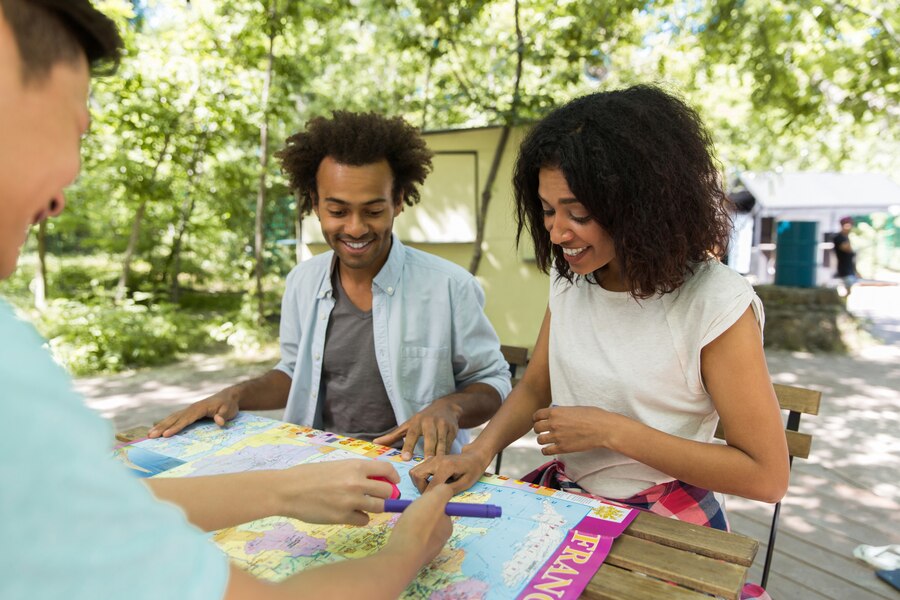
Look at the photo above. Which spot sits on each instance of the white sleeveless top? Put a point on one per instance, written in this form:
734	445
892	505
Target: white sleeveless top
640	359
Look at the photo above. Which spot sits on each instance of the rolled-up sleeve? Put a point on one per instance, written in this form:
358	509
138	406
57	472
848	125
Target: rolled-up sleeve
476	347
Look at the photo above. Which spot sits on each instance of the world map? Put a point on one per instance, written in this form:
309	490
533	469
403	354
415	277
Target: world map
484	558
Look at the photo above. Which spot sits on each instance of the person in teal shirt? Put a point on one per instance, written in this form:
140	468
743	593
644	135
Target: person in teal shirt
74	523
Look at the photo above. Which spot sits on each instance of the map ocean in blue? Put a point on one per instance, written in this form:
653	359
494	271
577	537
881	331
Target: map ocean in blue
205	437
505	543
146	463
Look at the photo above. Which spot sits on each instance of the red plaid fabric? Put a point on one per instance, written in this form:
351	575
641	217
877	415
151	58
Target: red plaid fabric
674	499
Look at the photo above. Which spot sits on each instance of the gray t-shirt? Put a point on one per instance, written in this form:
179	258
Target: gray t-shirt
355	402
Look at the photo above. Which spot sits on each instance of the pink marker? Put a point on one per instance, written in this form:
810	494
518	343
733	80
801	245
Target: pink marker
395	491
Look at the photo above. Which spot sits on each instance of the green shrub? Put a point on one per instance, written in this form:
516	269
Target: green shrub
89	333
242	333
198	300
108	338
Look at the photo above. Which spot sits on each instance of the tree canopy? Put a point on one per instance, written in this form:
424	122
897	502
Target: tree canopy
178	182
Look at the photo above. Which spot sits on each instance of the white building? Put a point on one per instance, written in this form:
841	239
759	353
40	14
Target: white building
820	197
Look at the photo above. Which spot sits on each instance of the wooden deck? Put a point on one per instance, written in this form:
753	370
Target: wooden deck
822	520
847	494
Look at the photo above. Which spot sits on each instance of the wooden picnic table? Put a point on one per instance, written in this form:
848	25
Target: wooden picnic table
656	557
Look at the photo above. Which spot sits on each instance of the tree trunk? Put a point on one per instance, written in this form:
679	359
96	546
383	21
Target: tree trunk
187	209
298	228
40	278
427	91
259	239
122	285
510	119
175	256
486	194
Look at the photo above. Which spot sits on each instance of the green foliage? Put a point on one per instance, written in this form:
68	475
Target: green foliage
91	334
797	85
202	301
173	154
876	240
819	79
107	338
83	278
242	333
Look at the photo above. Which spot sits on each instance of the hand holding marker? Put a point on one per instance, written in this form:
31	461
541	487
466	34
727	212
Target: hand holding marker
454	509
395	491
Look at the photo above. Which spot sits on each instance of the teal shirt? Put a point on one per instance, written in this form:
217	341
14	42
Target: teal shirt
73	522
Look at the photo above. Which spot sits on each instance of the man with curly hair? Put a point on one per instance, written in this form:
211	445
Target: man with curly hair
379	341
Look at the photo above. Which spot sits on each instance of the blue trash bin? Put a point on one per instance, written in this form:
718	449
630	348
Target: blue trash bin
795	253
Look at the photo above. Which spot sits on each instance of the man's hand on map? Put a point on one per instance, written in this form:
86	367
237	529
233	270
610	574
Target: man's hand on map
437	424
220	407
341	491
460	471
564	429
423	529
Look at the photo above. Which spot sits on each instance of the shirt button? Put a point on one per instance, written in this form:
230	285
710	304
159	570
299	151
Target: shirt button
390	290
317	357
323	317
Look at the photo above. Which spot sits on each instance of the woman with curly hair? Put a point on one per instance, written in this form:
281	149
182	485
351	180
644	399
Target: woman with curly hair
648	340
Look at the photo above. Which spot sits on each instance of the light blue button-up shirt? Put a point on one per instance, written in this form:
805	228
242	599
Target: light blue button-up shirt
75	523
432	337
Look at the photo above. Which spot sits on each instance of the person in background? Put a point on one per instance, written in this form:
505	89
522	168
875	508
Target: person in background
75	523
845	254
648	340
379	341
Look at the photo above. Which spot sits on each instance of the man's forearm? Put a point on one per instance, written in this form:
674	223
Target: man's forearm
268	392
474	404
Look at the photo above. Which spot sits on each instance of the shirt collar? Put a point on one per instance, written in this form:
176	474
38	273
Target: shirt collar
387	277
389	274
325	288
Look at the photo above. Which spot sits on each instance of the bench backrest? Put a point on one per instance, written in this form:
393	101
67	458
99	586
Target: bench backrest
797	401
517	357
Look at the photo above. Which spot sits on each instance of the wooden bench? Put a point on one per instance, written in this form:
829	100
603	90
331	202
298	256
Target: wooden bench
797	401
517	357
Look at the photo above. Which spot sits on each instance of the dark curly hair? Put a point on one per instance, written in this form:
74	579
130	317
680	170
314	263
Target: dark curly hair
357	139
641	163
